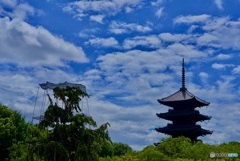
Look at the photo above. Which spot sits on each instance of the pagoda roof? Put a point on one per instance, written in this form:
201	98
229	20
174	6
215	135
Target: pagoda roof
183	98
172	115
172	129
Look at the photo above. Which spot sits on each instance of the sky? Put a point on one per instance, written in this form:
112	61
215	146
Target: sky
128	54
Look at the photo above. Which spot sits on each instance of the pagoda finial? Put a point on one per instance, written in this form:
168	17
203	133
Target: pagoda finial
183	76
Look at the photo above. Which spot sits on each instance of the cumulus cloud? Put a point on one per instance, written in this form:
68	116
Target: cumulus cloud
208	39
169	37
159	12
13	9
236	70
22	11
88	33
221	66
9	3
192	19
225	31
117	27
103	42
97	18
223	56
218	32
157	2
82	9
35	46
203	76
147	41
219	4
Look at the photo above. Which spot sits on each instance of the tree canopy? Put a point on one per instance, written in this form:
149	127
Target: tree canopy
72	134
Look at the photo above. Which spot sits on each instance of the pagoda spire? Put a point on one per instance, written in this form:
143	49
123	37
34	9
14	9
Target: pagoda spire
183	77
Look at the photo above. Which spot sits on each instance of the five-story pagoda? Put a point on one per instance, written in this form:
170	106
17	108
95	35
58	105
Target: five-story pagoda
183	114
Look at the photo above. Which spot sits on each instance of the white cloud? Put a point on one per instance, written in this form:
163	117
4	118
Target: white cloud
108	8
122	27
219	4
192	19
147	41
203	76
22	11
168	37
185	51
208	39
217	23
157	2
34	46
221	66
218	66
159	12
103	42
236	70
225	33
128	10
217	32
223	56
97	18
9	3
17	10
88	33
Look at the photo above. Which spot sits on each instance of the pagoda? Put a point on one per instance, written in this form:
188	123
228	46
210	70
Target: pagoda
183	114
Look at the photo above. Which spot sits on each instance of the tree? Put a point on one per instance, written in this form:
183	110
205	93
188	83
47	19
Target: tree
151	153
73	135
175	147
107	149
8	131
121	149
12	131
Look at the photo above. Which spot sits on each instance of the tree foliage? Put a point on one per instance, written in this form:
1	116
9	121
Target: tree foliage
73	135
12	131
121	149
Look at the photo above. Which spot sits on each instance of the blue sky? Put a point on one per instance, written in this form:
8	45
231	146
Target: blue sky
128	54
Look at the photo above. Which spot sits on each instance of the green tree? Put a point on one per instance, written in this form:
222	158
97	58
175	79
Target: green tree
73	135
12	132
8	131
199	151
175	147
151	153
107	149
121	149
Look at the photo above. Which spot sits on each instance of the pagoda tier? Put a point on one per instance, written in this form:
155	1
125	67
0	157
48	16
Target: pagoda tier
190	131
193	115
183	114
183	98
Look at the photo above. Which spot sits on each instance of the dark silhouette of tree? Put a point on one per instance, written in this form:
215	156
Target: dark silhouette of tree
73	135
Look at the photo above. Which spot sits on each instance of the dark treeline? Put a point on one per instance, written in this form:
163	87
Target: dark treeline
66	134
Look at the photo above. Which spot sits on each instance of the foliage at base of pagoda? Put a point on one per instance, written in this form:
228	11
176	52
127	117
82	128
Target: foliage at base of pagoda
180	149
